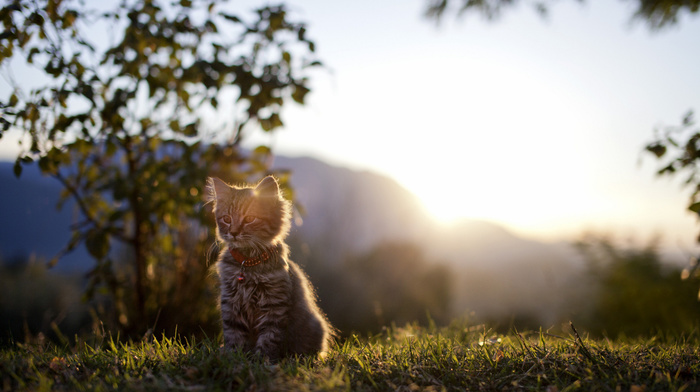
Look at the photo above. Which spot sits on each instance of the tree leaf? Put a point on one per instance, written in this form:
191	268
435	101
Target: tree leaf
17	168
97	243
262	150
232	18
299	94
190	129
51	263
657	149
695	207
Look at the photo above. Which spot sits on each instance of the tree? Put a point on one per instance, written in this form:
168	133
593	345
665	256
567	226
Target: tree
393	282
128	129
657	13
678	147
633	292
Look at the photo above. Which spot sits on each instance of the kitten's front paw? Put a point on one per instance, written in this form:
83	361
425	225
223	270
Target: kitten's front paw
270	354
228	349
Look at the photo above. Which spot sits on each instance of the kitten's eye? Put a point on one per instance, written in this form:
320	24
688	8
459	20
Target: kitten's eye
226	219
248	219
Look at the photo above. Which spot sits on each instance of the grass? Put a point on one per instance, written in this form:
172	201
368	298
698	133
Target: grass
406	359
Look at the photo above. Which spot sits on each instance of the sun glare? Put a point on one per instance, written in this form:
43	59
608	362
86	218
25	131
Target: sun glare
508	160
537	207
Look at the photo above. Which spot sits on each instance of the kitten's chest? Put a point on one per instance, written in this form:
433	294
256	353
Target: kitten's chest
257	294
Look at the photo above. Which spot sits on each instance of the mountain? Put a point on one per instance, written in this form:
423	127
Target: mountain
349	212
352	210
496	272
30	224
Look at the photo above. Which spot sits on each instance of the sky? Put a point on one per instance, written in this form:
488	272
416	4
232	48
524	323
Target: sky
536	124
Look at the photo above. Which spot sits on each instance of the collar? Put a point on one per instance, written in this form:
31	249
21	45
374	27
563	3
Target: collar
248	261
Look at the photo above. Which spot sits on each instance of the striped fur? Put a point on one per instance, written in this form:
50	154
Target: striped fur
273	310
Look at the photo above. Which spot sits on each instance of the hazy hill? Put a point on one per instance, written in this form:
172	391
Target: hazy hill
497	273
30	225
349	212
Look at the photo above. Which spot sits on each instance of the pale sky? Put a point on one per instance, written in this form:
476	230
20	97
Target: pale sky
535	124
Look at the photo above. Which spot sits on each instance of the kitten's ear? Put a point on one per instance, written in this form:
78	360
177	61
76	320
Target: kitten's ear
215	186
268	187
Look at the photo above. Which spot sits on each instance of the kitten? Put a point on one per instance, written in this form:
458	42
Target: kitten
267	303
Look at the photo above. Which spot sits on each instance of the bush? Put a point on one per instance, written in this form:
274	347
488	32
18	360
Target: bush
634	294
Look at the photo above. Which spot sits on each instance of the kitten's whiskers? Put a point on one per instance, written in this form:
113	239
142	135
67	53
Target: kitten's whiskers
213	250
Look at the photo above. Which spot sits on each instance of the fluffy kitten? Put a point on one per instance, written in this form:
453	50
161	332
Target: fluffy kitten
267	303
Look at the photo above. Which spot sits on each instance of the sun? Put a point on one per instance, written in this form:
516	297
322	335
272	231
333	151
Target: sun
445	208
529	201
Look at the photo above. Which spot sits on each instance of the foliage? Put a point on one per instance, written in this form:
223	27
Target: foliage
678	149
460	357
397	284
34	303
393	282
657	13
623	292
128	129
634	294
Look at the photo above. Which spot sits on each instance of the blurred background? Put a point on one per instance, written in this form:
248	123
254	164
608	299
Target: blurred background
496	163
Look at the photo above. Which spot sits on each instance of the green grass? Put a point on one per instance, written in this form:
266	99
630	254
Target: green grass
409	358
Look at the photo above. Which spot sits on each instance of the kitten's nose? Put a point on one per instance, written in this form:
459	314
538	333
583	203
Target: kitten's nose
235	233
